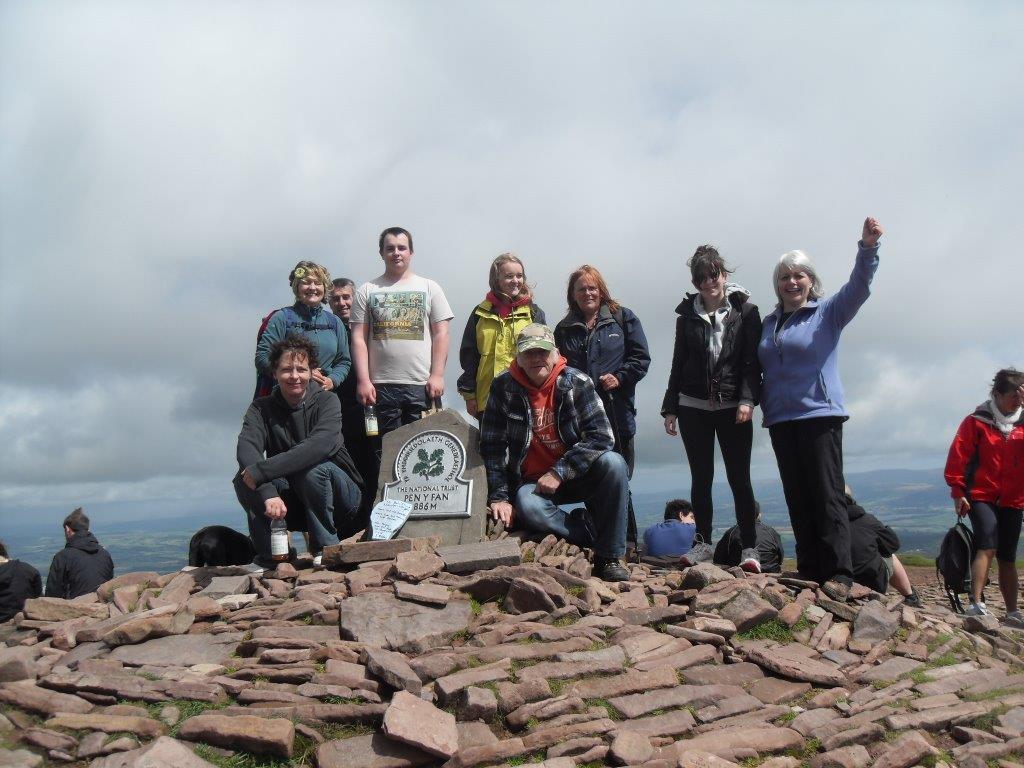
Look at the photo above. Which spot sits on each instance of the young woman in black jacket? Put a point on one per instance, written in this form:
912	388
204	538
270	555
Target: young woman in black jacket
712	390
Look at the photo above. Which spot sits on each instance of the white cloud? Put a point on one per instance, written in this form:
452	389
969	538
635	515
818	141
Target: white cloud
163	166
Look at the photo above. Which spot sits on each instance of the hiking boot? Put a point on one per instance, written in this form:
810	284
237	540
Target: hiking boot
976	609
1014	619
913	600
609	570
699	553
837	590
749	561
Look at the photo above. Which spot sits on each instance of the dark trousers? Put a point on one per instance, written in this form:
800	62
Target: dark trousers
810	457
699	428
320	500
399	404
363	451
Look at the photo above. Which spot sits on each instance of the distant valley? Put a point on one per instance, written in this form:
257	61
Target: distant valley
914	502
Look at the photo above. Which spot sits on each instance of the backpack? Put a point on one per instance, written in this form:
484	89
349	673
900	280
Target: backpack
264	382
953	565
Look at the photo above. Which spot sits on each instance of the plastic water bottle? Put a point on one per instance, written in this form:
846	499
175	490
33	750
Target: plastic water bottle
370	418
279	544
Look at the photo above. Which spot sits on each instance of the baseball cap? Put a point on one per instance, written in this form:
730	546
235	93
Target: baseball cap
535	336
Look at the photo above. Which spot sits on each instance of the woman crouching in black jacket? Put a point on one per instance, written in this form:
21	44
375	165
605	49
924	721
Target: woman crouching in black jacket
712	390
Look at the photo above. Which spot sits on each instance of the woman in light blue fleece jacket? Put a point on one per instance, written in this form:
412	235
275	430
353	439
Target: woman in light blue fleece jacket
802	402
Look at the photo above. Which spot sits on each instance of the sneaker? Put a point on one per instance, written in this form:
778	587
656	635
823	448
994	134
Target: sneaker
913	600
1014	619
749	561
976	609
699	553
837	590
317	561
610	570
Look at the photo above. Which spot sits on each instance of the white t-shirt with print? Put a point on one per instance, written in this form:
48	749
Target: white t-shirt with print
399	314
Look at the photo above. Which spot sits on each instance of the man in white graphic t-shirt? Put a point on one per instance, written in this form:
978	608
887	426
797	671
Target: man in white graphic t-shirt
399	336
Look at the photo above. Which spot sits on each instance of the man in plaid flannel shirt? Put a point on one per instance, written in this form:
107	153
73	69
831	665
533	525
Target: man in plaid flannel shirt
546	440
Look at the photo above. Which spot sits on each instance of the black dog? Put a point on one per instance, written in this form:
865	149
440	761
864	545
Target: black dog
220	545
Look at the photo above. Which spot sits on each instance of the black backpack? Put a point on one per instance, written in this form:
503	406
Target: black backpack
953	565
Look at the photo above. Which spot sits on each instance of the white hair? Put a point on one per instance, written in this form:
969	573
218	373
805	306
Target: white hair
797	261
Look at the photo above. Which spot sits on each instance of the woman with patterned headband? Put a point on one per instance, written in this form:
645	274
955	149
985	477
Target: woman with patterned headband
310	318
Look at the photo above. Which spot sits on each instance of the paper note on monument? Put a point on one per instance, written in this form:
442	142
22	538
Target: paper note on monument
388	517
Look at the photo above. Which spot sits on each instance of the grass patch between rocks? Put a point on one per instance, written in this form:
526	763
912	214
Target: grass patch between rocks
613	714
810	748
772	629
534	757
335	731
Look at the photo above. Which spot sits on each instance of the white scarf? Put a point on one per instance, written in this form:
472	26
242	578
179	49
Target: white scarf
1004	423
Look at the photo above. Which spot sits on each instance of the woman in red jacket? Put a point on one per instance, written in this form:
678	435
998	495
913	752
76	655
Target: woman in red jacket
985	471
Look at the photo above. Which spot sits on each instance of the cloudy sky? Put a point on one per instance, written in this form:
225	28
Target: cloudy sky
163	165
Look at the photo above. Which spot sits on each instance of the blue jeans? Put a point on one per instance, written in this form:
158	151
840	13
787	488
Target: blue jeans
324	495
604	490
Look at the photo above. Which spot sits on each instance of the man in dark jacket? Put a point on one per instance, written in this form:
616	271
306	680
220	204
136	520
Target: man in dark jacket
292	461
546	440
18	582
729	550
82	565
873	547
353	422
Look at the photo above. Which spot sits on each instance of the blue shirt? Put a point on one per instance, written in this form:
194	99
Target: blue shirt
670	537
801	360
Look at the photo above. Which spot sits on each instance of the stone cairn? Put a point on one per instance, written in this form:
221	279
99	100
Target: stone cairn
507	652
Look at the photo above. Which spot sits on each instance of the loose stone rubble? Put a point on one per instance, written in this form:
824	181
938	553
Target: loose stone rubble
404	653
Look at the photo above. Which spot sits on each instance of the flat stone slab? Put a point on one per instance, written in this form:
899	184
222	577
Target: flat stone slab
420	724
630	681
370	751
42	701
270	736
891	669
723	674
383	620
176	650
222	586
759	739
431	594
674	723
788	662
164	752
466	558
57	609
696	696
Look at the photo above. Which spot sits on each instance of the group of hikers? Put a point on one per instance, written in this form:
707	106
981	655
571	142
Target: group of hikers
556	408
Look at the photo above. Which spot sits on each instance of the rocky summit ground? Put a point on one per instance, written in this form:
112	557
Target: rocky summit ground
405	653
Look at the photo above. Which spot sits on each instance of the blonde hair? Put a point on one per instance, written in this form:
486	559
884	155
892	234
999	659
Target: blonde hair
309	269
493	276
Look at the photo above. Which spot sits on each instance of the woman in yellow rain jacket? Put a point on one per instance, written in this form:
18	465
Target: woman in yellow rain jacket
489	341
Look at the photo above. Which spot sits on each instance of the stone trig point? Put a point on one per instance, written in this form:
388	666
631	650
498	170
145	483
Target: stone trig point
434	465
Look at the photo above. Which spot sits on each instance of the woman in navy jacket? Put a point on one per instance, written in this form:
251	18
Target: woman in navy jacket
606	342
712	390
803	405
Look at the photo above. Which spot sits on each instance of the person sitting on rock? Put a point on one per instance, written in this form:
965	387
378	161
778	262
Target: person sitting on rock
548	418
291	447
82	565
673	536
873	548
18	582
728	551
